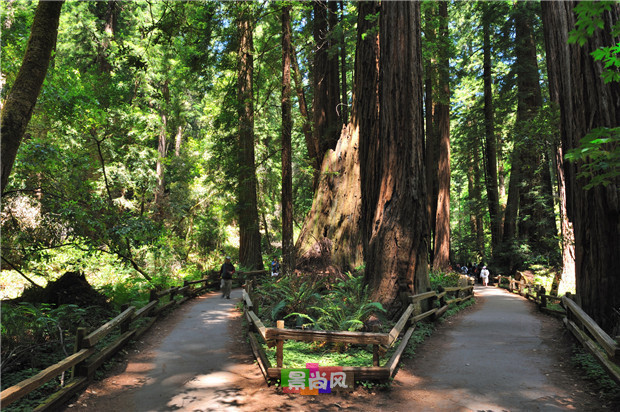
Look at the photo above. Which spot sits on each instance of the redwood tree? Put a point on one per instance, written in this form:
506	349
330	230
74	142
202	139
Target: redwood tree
249	235
20	102
288	249
586	103
392	168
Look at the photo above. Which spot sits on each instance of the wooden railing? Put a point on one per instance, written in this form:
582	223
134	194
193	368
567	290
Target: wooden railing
86	358
381	342
535	293
605	349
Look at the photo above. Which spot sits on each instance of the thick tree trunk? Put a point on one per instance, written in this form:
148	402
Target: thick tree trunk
249	234
441	245
22	98
393	171
586	103
490	139
344	103
288	248
331	238
567	281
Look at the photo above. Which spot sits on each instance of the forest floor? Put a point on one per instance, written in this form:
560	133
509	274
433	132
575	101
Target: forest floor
498	355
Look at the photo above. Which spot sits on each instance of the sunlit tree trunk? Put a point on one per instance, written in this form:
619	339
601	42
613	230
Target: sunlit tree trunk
441	245
393	168
20	101
288	249
249	234
586	103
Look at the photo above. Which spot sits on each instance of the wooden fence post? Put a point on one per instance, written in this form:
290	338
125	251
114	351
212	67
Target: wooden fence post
80	334
126	322
541	295
375	355
185	291
279	346
153	295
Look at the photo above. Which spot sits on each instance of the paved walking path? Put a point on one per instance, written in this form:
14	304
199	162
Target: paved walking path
495	357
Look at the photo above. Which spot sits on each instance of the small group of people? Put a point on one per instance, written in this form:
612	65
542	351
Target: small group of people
228	269
477	271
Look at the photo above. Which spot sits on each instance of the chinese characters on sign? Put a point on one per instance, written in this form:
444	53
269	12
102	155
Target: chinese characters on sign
313	379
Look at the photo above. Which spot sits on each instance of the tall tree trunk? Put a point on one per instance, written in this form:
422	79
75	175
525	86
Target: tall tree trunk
19	104
441	245
344	103
288	248
331	238
432	141
249	234
393	171
567	235
586	103
490	139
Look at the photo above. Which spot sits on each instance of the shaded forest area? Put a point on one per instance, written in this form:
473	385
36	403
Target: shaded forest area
143	141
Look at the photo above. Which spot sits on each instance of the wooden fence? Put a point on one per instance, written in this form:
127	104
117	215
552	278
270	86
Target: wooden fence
86	358
605	349
380	342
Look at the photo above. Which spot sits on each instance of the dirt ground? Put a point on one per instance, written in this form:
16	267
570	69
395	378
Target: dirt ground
439	378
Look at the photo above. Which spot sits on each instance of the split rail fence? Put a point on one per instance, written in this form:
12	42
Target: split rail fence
603	347
380	342
87	358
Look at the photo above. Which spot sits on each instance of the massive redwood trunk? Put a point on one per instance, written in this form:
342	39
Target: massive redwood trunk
331	238
20	102
288	248
441	244
393	175
586	103
249	235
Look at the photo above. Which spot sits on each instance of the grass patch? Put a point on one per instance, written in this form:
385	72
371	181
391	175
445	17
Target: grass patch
607	388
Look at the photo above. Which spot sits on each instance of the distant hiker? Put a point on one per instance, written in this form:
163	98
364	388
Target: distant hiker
484	275
226	272
275	267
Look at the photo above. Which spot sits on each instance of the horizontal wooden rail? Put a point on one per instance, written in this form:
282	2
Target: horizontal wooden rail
422	296
23	388
360	338
193	282
258	324
609	345
94	337
145	310
393	362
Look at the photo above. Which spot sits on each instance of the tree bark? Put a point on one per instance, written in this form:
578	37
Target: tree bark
393	171
490	140
20	102
344	103
331	238
249	234
288	248
586	103
441	245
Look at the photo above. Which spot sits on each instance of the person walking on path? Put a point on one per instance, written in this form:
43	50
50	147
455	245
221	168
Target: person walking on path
484	275
226	272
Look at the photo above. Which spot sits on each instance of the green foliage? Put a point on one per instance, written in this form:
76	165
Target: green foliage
595	373
598	156
589	20
445	279
297	354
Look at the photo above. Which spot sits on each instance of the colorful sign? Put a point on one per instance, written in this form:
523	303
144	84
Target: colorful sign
314	379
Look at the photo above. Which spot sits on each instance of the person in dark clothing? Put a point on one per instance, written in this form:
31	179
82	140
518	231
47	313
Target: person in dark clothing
226	272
